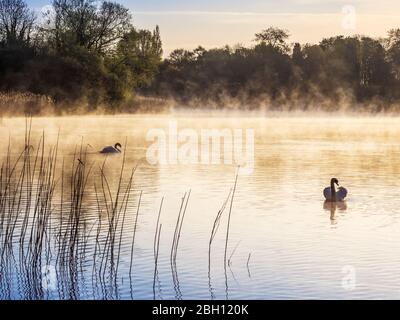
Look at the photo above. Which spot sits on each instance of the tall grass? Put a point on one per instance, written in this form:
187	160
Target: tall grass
18	103
50	237
32	241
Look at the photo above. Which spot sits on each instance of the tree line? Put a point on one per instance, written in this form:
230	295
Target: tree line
82	52
356	72
86	52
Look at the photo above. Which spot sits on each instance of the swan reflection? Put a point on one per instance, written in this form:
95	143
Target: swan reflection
332	207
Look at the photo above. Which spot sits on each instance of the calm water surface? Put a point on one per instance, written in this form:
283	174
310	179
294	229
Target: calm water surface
298	247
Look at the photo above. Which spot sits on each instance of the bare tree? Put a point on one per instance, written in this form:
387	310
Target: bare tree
274	37
84	23
111	23
16	21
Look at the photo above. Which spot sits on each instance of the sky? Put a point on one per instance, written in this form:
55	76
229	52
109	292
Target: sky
215	23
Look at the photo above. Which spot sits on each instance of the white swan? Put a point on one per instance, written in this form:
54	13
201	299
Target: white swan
332	195
111	149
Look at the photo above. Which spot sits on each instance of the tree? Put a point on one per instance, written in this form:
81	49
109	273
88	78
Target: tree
374	69
393	38
342	59
314	63
138	55
82	23
16	22
297	55
275	38
393	52
180	57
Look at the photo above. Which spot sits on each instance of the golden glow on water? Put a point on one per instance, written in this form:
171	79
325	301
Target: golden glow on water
298	245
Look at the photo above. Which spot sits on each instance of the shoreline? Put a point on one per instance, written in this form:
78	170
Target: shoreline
210	113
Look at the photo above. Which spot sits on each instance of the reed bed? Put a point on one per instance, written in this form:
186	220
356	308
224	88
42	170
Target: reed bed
18	103
46	236
49	238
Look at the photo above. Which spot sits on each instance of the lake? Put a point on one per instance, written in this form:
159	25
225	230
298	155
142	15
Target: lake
284	241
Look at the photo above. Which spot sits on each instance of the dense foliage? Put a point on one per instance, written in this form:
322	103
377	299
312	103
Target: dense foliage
87	53
339	72
80	52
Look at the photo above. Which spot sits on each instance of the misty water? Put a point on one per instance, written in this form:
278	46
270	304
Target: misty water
284	242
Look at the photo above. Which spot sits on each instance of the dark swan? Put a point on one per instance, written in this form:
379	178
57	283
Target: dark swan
332	195
111	149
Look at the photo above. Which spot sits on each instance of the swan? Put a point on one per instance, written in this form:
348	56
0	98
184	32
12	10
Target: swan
111	149
332	195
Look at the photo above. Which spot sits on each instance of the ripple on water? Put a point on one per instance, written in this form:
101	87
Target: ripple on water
299	248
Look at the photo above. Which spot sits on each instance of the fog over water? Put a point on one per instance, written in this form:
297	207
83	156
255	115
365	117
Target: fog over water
284	242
